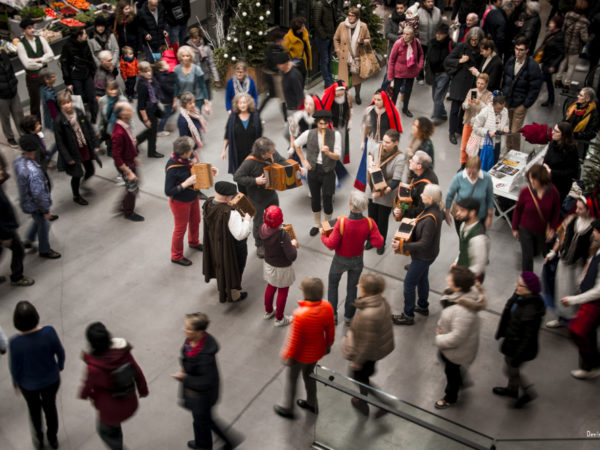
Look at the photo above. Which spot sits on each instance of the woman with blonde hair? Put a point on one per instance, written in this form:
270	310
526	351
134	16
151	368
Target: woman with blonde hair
240	83
242	129
348	42
476	99
190	78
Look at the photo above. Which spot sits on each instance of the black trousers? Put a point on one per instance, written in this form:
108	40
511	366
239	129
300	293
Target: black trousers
149	134
453	379
241	251
17	257
381	215
111	435
456	116
90	170
204	425
321	183
408	85
531	245
43	399
33	89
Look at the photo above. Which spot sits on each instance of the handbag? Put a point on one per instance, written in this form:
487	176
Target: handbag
354	66
77	102
487	153
369	65
472	145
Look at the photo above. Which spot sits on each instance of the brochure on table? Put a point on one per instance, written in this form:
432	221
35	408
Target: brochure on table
508	175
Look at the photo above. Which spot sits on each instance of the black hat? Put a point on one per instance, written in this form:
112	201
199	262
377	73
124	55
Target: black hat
29	143
26	23
281	58
469	203
225	188
596	224
322	114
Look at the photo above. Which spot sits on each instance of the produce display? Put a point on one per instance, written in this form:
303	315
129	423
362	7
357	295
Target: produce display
67	11
57	5
50	13
79	4
72	23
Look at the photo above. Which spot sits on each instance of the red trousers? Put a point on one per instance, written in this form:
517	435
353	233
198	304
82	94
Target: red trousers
281	300
186	215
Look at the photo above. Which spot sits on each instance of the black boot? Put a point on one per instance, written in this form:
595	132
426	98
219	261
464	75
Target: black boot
284	112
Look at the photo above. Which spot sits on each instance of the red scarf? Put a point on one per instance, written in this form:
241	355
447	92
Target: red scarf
193	351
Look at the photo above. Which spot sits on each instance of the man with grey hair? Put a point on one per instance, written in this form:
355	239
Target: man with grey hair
424	247
106	72
125	155
348	239
420	174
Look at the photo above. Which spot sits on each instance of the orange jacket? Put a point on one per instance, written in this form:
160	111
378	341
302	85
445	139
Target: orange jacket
129	69
311	333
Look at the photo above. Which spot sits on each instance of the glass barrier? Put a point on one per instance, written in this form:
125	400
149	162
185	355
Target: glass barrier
391	423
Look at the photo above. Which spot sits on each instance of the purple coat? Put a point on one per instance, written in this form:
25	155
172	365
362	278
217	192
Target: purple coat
397	67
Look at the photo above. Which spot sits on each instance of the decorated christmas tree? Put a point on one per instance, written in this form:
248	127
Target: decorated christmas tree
373	21
247	35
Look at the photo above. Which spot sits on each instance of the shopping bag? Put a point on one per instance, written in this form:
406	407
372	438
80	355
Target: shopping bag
487	153
77	101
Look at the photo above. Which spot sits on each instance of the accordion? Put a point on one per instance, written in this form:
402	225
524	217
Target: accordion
404	234
281	177
403	199
242	205
289	229
204	176
327	226
377	180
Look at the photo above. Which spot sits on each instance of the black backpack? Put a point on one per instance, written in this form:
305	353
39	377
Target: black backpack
123	378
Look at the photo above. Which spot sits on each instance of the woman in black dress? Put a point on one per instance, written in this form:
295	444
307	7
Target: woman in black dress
562	159
242	129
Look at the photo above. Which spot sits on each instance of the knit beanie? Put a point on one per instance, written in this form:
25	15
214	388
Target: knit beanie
532	282
273	217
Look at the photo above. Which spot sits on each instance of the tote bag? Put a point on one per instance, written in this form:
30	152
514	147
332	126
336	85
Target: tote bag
487	153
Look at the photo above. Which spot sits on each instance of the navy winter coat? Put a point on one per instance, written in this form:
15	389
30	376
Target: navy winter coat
34	190
524	88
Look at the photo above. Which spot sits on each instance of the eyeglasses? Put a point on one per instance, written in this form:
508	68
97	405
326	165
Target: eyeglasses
351	15
520	49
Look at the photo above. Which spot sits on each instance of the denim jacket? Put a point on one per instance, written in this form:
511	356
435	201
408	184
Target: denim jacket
34	190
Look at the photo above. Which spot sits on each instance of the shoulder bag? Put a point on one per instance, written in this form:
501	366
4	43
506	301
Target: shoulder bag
369	65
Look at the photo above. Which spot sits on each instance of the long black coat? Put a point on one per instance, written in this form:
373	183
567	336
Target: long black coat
149	26
8	80
520	328
463	79
564	166
554	51
495	70
524	88
495	26
66	142
200	387
531	29
76	61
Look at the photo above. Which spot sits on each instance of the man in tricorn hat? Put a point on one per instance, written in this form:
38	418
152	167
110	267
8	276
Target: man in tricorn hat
323	148
35	54
225	249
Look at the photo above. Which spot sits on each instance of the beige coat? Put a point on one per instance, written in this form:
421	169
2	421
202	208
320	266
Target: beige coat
472	110
371	334
341	45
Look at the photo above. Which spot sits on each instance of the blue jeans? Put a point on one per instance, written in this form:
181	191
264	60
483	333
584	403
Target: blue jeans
167	112
41	227
438	93
416	277
325	47
339	265
177	34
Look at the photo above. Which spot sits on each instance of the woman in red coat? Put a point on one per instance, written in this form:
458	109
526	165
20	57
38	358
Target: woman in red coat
111	379
406	61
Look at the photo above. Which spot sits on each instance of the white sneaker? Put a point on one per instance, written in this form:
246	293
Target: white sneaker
554	324
581	374
283	322
163	133
268	315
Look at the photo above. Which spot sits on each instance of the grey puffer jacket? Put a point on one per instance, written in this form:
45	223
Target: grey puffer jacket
458	337
371	334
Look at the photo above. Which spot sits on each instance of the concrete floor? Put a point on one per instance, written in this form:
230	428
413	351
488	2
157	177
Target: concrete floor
119	272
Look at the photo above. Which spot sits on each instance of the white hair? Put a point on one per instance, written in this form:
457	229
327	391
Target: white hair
533	7
104	54
434	192
420	157
358	201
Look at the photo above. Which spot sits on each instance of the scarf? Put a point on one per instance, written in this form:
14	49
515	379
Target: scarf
188	116
353	37
193	351
72	118
129	129
241	87
487	61
151	91
586	113
410	54
179	160
397	17
110	113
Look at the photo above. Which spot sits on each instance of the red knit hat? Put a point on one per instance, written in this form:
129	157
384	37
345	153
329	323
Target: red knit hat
273	217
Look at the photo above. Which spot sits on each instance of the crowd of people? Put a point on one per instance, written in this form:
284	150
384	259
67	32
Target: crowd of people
485	59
